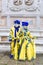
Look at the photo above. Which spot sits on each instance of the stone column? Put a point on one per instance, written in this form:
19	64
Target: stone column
38	15
38	22
8	21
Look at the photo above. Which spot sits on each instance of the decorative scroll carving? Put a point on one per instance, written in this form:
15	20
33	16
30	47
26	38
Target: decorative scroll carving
27	5
17	2
16	6
29	2
31	8
30	5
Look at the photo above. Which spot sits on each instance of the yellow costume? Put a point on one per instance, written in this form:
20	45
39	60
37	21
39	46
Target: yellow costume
22	45
14	40
31	51
27	46
11	38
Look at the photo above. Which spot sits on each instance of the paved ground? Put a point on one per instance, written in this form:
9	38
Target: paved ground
5	60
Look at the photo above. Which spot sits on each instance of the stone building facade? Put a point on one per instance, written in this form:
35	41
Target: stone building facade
24	10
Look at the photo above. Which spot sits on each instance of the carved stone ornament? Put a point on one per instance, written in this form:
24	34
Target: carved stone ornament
17	2
30	5
29	2
27	5
16	5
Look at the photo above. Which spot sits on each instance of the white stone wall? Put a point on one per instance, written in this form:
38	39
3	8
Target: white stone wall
32	13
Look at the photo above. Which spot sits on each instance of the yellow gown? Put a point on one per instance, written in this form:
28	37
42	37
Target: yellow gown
22	49
14	46
31	51
11	37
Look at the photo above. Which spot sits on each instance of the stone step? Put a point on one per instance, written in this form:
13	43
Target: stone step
4	34
39	49
38	33
6	48
40	42
34	34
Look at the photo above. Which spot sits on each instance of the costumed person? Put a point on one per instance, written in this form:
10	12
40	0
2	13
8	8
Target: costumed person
23	43
13	39
30	47
27	45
